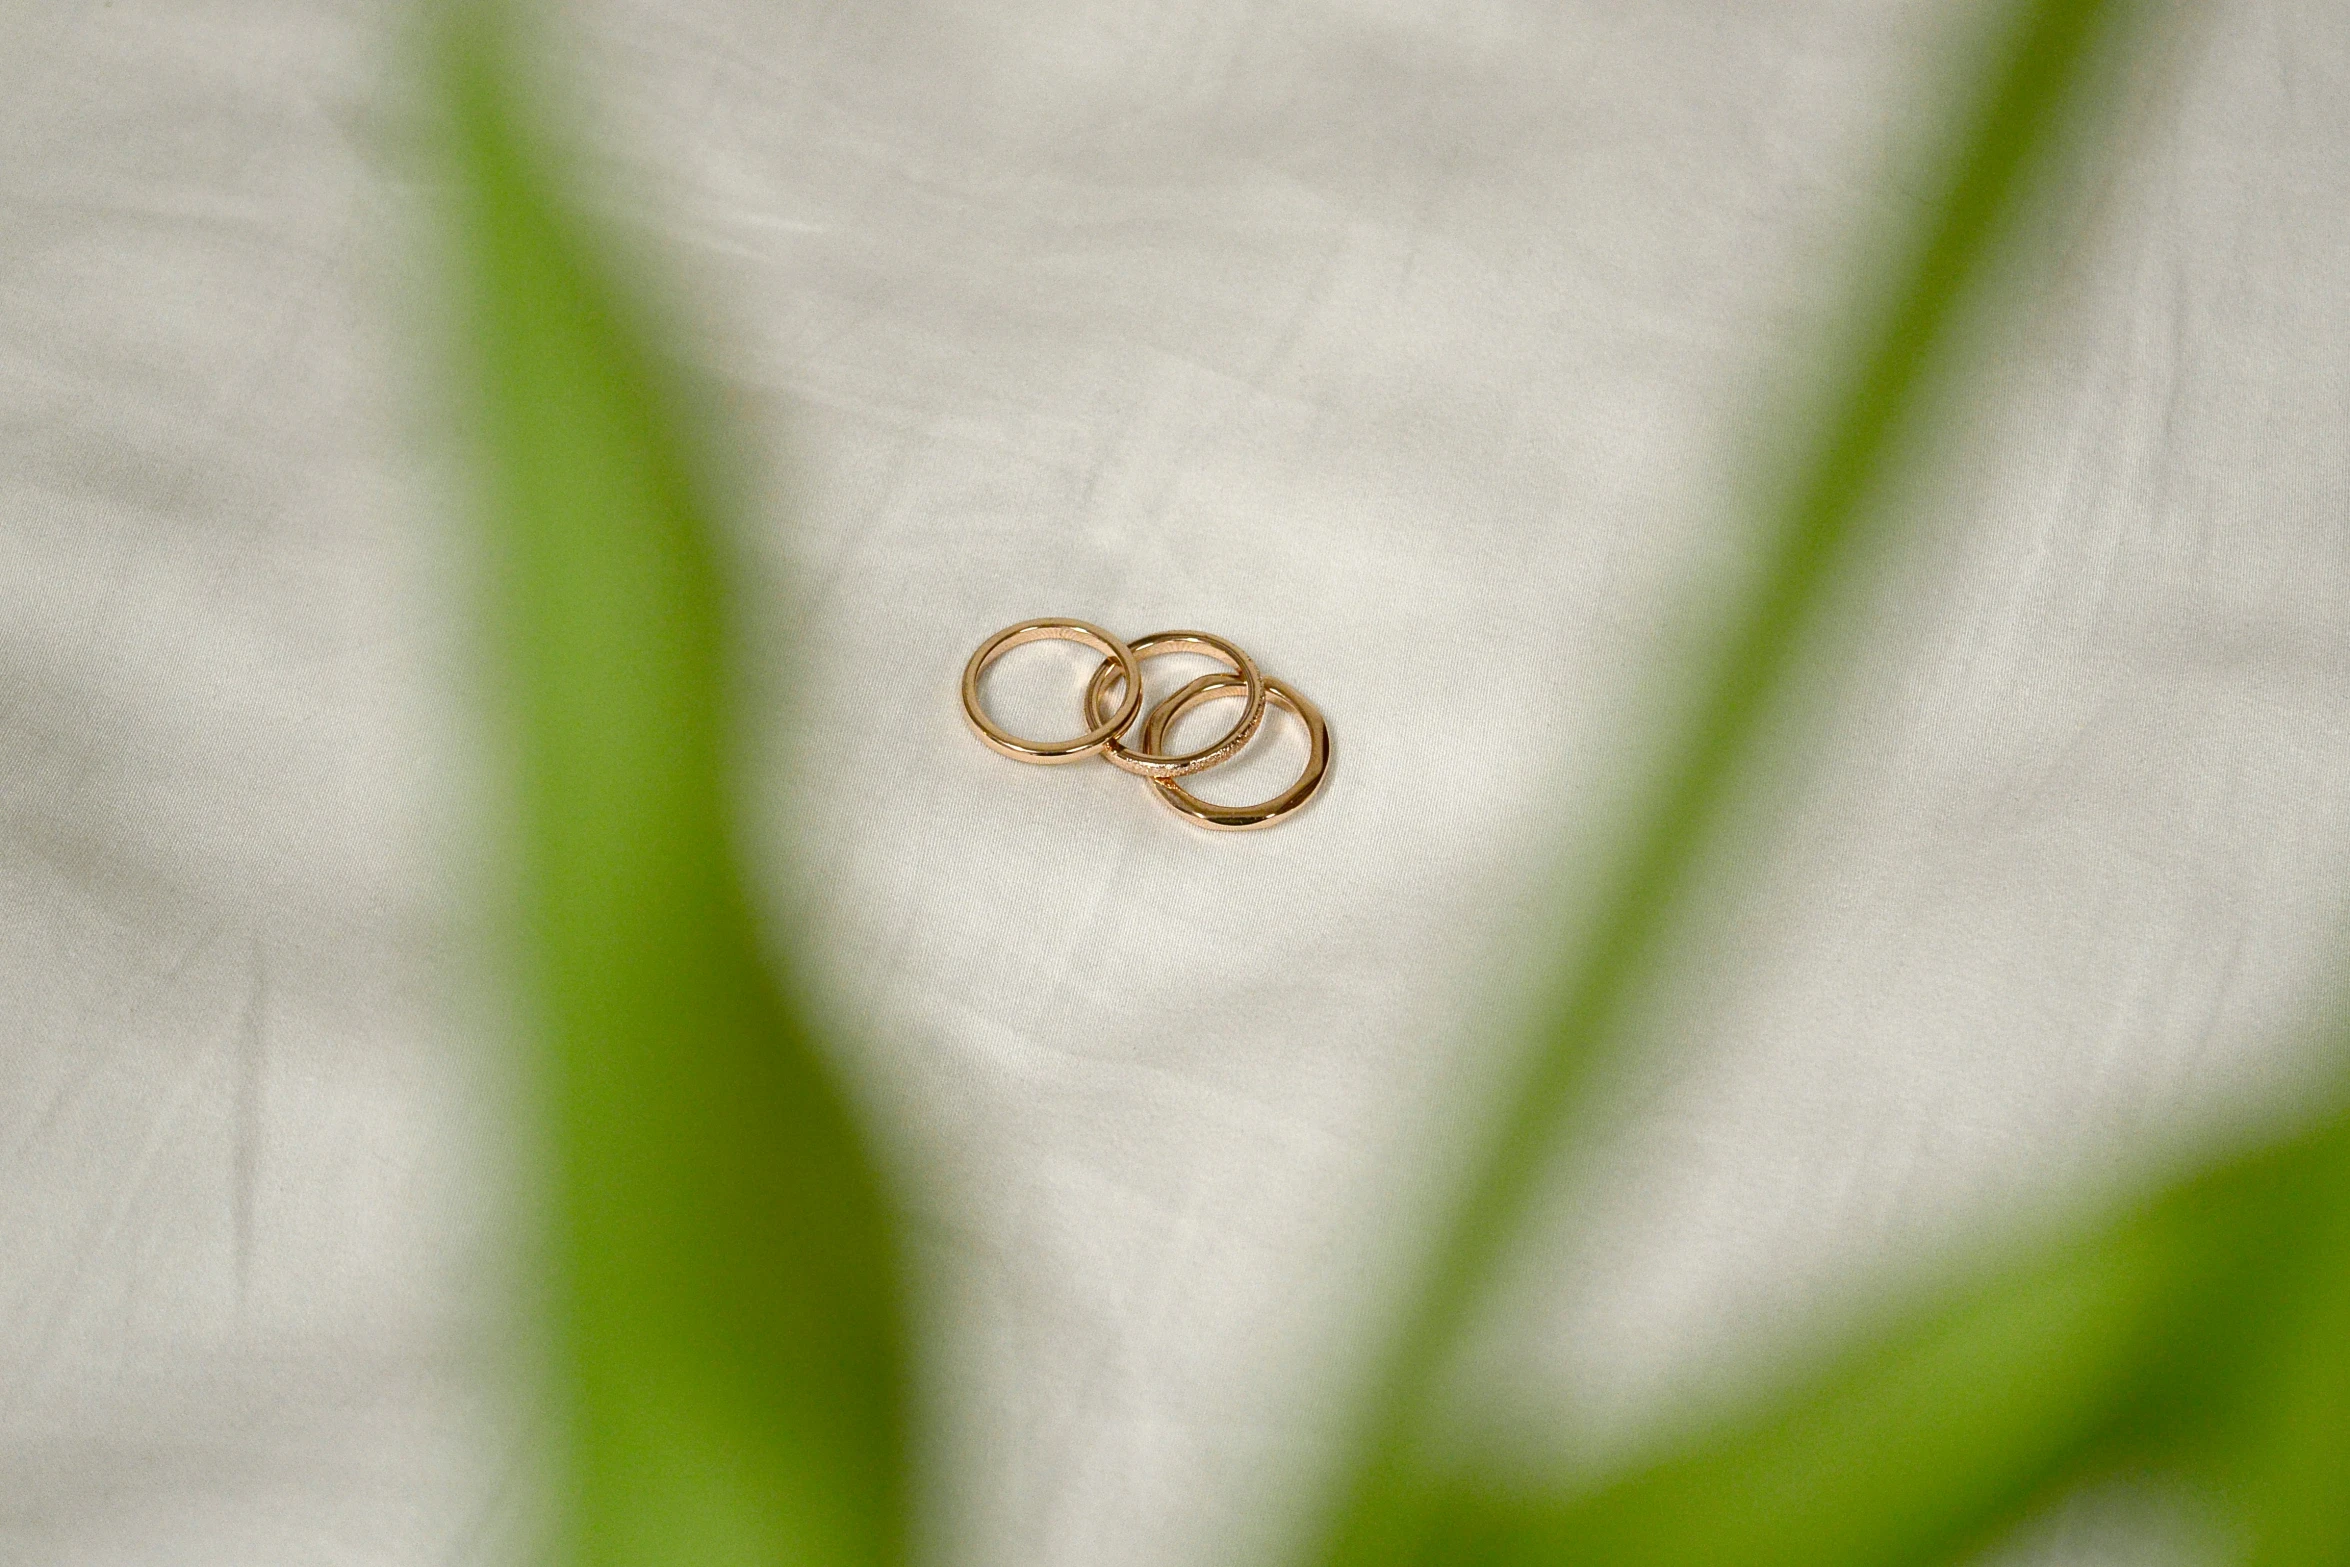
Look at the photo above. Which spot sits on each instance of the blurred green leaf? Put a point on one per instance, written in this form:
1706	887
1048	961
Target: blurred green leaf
725	1283
1810	540
1920	1447
2276	1407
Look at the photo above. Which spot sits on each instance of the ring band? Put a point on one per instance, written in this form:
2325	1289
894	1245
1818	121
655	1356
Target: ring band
1240	818
1147	762
1050	751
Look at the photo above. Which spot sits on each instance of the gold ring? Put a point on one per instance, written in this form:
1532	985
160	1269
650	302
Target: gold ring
1240	818
1048	751
1147	763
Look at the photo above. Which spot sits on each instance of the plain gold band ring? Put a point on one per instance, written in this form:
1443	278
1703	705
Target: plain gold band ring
1240	818
1147	762
1048	751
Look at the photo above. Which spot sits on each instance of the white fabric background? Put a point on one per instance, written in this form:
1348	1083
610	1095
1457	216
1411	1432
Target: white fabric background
1419	348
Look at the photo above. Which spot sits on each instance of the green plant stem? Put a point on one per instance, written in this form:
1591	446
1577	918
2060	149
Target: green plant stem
1813	536
724	1293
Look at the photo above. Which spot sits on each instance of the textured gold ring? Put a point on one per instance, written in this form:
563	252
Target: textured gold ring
1240	818
1147	763
1087	744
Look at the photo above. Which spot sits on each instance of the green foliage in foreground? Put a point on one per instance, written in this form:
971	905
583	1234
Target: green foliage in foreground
728	1309
2202	1332
1811	540
726	1302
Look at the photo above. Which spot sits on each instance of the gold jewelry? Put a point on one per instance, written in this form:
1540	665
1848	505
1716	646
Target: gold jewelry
1240	818
1103	732
1122	663
1146	763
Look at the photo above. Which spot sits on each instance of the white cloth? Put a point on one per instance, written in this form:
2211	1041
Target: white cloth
1423	350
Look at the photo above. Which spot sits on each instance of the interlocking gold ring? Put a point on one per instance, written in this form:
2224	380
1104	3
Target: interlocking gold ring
1147	763
1087	744
1239	818
1122	662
